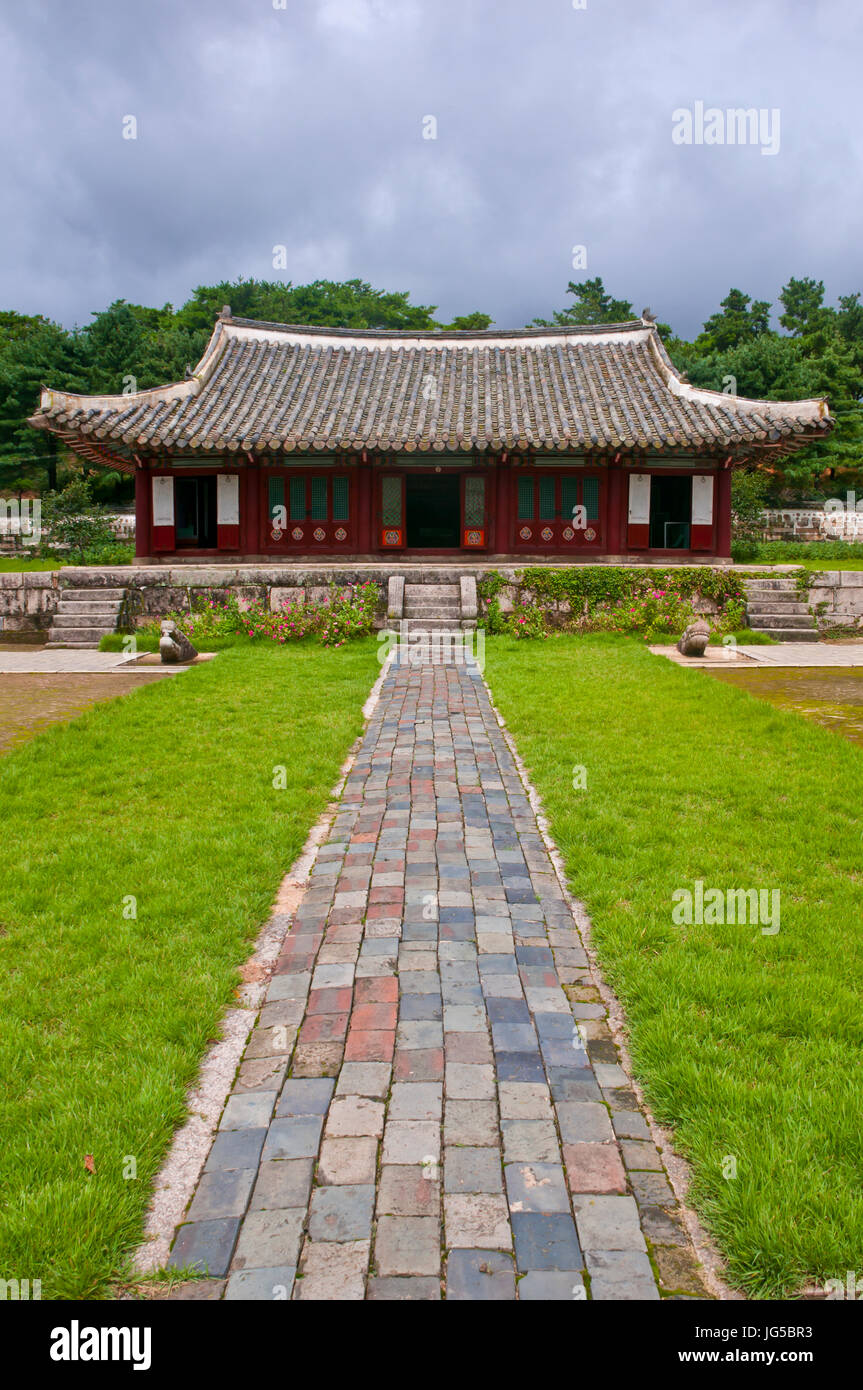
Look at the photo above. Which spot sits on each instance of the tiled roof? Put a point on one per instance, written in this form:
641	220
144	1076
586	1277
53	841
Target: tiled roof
265	387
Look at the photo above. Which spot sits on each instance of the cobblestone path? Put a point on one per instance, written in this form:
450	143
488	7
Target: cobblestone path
431	1103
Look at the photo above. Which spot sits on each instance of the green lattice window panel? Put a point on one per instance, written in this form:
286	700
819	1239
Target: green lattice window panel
474	501
546	499
298	499
568	498
590	497
525	499
391	501
276	492
340	499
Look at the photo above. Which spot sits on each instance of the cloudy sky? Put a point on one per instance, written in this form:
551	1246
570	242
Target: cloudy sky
304	124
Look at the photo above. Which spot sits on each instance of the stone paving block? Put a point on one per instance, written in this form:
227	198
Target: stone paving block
651	1189
409	1190
417	1008
261	1074
416	1100
260	1285
663	1226
294	986
411	1141
370	1045
468	1048
198	1291
354	1116
610	1075
317	1059
608	1223
545	1240
305	1097
620	1275
573	1084
407	1245
222	1193
480	1276
524	1100
469	1081
403	1288
477	1220
251	1110
679	1271
471	1122
422	1034
628	1125
584	1122
297	1137
236	1148
472	1170
552	1286
342	1213
520	1066
530	1141
419	1064
284	1184
205	1245
641	1155
364	1079
329	1271
348	1161
270	1238
513	1037
594	1168
538	1187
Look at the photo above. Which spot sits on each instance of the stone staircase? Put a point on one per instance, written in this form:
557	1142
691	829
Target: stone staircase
83	616
432	605
775	607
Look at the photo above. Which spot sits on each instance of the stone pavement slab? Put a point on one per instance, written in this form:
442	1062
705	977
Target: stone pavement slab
432	1103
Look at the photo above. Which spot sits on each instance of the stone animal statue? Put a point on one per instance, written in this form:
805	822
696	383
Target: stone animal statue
174	646
694	639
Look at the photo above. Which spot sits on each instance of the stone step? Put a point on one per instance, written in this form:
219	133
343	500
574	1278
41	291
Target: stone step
772	605
76	636
97	622
450	591
85	610
444	625
432	610
788	634
785	620
92	595
757	587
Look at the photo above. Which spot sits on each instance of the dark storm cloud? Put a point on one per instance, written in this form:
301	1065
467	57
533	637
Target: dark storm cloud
303	127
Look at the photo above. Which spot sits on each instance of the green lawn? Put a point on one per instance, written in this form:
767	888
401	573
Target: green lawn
749	1045
165	795
15	564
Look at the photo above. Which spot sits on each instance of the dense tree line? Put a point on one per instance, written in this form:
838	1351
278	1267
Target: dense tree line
819	351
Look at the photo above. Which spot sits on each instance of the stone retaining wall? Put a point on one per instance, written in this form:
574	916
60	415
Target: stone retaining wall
836	600
28	601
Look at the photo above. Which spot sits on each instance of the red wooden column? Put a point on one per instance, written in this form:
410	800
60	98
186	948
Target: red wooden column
503	508
250	511
365	482
723	513
616	513
143	512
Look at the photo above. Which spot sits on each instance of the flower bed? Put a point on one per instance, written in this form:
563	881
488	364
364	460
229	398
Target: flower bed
652	603
343	614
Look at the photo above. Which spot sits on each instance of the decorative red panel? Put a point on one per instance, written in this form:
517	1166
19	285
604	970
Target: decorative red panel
701	538
392	537
228	537
473	537
638	535
163	538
